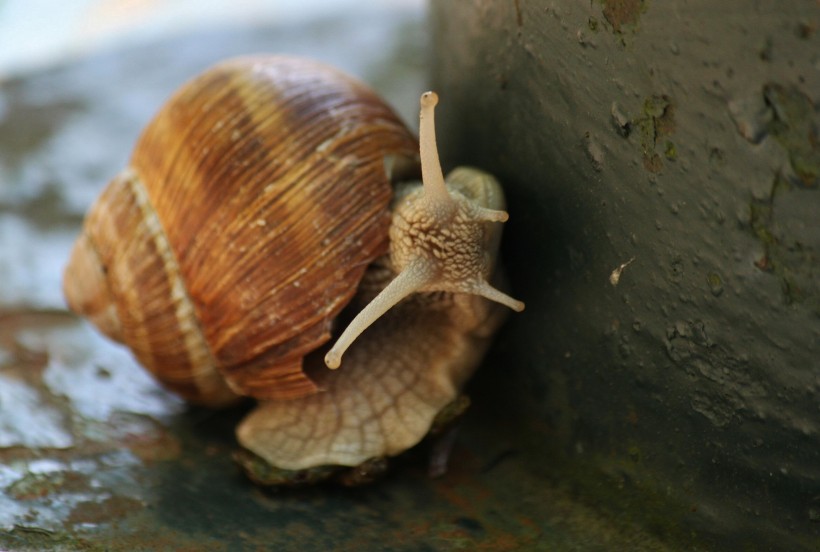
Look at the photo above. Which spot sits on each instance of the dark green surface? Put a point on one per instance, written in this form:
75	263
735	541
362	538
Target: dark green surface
680	138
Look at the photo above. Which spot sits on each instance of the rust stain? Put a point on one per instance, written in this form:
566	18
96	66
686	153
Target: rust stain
40	485
623	13
154	447
106	511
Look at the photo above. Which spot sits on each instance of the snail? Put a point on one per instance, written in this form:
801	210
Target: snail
272	202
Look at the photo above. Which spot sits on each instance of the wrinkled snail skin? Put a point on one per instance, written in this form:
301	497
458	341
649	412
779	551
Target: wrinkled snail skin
266	196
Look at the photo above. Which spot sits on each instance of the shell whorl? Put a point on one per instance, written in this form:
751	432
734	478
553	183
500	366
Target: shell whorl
259	192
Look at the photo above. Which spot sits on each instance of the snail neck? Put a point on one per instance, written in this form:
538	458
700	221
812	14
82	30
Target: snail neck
438	241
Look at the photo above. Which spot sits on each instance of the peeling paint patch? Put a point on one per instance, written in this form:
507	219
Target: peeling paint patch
751	117
794	125
726	387
791	245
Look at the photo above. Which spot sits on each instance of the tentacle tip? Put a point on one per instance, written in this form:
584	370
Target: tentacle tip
429	99
333	359
501	216
491	215
508	301
493	294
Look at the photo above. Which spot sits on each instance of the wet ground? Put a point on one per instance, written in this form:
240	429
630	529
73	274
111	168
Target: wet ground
96	456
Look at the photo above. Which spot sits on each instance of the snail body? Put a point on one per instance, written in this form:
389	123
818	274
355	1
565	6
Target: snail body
255	207
394	381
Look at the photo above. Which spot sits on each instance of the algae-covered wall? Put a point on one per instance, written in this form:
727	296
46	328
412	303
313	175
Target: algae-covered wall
661	161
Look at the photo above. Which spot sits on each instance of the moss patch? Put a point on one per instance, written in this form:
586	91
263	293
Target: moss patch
654	125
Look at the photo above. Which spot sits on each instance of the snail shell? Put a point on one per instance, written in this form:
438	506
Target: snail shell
250	209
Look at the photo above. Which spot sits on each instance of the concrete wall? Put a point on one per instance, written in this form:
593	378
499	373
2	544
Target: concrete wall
679	142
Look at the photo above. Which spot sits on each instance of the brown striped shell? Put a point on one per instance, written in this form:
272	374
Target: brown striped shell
252	205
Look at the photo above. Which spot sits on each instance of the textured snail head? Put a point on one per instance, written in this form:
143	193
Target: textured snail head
437	242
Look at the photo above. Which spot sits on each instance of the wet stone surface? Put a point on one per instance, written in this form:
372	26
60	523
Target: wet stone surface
96	456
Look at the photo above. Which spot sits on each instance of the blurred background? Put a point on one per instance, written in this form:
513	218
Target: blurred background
34	33
79	79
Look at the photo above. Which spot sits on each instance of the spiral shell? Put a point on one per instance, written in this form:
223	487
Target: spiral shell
250	209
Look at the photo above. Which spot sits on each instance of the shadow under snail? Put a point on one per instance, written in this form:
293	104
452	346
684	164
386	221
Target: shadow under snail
270	200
